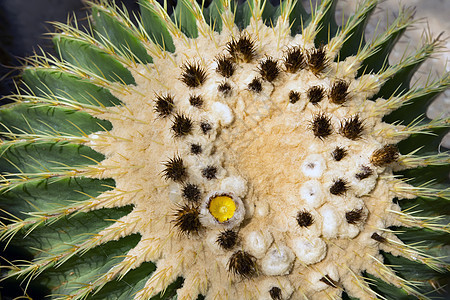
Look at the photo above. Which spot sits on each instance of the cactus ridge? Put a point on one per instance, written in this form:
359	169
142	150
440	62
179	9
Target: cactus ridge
230	151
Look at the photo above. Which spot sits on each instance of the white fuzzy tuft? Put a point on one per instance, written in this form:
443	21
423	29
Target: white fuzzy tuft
313	166
236	185
223	113
278	261
331	221
257	243
311	192
309	250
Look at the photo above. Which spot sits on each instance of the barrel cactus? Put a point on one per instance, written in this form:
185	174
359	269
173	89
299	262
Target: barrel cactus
225	151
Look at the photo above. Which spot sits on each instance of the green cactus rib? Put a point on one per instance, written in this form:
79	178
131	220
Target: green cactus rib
154	26
62	85
77	235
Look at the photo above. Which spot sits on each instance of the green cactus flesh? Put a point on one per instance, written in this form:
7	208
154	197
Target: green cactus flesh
234	151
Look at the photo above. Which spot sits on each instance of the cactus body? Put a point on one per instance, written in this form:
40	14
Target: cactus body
235	151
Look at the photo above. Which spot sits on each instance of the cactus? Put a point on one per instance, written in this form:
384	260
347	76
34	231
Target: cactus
229	151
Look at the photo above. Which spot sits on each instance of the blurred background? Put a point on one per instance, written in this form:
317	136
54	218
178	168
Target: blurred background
23	28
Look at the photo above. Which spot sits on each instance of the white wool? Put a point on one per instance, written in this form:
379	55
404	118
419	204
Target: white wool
257	242
309	250
313	166
311	192
222	112
278	260
235	184
331	221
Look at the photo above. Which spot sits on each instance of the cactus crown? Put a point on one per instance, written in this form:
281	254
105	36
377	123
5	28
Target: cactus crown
235	151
